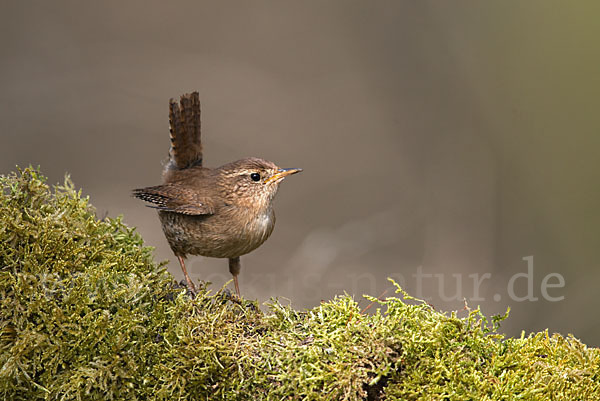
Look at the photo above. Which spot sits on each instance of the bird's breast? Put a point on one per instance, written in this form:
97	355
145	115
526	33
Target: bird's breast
261	226
264	222
230	233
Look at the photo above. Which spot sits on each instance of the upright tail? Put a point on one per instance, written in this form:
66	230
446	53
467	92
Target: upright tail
184	124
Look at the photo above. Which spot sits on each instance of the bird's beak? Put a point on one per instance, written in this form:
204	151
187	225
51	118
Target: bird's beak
282	173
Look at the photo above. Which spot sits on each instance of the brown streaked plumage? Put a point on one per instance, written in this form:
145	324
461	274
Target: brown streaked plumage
222	212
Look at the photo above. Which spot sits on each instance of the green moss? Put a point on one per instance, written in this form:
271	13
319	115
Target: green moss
86	314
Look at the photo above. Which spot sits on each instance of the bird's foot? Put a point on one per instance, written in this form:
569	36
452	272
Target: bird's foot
190	291
227	295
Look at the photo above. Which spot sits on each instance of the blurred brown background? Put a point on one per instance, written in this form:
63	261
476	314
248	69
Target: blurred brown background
452	139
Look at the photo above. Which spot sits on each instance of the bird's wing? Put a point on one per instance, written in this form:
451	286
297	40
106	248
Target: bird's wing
184	122
175	198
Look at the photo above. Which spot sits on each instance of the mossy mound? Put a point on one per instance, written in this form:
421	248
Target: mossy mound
86	314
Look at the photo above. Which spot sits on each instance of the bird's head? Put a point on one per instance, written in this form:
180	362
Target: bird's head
252	182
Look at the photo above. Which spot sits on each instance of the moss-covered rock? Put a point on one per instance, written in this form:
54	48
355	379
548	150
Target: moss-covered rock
86	314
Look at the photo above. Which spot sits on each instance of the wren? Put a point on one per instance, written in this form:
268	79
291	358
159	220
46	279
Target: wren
222	212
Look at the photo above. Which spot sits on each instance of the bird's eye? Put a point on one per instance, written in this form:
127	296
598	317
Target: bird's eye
255	176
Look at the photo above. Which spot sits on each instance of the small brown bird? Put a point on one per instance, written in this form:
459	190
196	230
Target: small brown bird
222	212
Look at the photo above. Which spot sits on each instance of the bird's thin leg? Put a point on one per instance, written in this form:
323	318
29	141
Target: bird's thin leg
189	281
234	269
